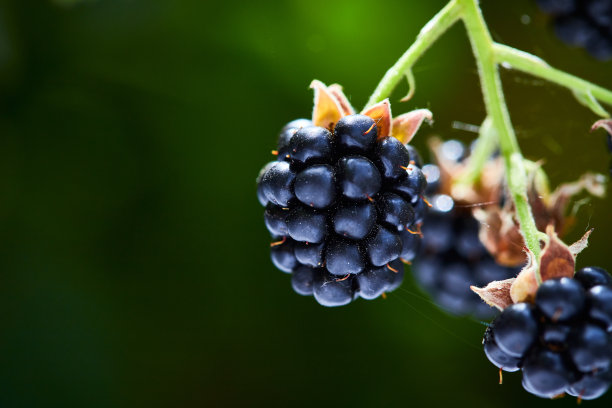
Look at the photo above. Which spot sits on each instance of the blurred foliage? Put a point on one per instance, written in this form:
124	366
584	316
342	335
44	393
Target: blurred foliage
134	259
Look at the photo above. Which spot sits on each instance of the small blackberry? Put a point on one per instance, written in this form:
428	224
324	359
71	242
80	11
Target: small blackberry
583	23
338	204
562	342
452	257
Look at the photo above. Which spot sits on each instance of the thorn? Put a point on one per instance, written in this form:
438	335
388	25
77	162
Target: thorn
275	152
370	198
370	129
383	295
392	269
405	261
426	202
344	278
277	243
501	376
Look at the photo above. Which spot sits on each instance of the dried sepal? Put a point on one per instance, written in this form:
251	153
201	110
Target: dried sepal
406	125
381	113
603	124
525	285
500	234
345	105
327	110
579	246
496	293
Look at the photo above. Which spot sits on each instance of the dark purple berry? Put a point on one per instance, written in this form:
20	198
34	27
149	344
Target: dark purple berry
261	195
395	211
590	348
383	246
413	185
600	11
392	158
555	334
560	299
431	172
286	133
414	156
545	373
330	291
315	186
306	225
496	355
557	6
309	254
275	218
411	244
374	281
343	257
277	183
283	257
354	220
593	276
600	47
575	31
516	329
591	385
359	178
311	145
355	134
302	280
600	302
397	277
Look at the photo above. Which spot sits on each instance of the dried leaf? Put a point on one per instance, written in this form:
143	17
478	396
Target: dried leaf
525	286
327	110
496	293
406	125
336	91
381	113
579	246
500	234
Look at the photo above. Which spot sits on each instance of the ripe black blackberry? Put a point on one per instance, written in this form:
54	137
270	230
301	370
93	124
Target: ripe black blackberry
452	259
339	205
583	23
451	256
562	342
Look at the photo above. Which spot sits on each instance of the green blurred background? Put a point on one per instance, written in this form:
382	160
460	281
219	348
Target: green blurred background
134	263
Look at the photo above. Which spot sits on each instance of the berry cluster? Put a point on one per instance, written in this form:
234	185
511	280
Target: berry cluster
451	257
562	342
339	205
583	23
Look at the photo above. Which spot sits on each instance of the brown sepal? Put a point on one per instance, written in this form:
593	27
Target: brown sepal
524	287
496	293
381	113
336	91
406	125
327	110
500	234
579	246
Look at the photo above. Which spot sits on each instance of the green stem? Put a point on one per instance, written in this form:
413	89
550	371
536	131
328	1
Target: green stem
535	66
428	35
482	46
487	141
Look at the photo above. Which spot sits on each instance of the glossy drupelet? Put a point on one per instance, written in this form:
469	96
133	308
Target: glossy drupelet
583	23
340	205
562	342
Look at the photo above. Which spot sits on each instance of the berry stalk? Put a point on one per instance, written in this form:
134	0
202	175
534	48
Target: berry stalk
495	104
427	36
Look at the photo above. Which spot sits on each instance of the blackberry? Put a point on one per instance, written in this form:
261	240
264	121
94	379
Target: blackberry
451	256
583	23
562	342
339	205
